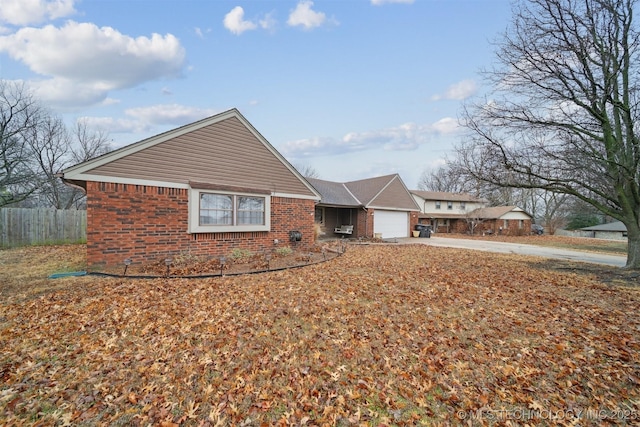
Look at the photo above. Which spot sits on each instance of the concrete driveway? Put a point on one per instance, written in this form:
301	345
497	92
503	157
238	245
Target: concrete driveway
521	249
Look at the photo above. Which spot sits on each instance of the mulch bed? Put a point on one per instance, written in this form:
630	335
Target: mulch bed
238	262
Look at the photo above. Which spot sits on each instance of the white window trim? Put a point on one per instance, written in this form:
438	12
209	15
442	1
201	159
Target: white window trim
194	214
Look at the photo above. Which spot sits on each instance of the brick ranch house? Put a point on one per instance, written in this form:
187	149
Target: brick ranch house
457	212
508	220
204	189
379	206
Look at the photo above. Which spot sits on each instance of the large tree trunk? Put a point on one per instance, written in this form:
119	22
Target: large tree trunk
633	248
563	114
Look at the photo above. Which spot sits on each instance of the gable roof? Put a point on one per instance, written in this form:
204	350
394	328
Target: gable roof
334	193
445	196
610	226
385	192
495	212
223	150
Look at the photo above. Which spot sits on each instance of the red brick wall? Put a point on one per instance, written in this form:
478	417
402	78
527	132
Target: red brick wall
364	223
458	226
413	221
512	229
146	223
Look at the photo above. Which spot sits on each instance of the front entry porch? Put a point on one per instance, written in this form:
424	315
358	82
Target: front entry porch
335	221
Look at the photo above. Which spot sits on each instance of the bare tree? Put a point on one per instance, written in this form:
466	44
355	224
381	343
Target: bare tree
19	115
49	147
306	170
35	146
473	220
564	110
443	179
552	208
88	143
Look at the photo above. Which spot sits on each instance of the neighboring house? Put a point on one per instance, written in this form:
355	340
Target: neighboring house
462	212
508	220
202	189
612	231
446	212
376	206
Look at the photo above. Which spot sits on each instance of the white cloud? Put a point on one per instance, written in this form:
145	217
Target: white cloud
110	101
381	2
85	62
458	91
169	114
234	21
27	12
144	119
67	93
446	126
200	32
406	137
269	22
309	147
111	125
304	16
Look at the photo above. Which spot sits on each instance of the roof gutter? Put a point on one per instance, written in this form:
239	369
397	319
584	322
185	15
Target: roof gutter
73	183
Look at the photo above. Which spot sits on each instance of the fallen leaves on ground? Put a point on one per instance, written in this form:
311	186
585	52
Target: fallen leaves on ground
383	335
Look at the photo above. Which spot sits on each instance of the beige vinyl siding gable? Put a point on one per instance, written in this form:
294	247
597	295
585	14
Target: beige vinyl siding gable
225	152
366	189
394	196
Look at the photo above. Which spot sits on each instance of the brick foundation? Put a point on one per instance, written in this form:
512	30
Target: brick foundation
146	223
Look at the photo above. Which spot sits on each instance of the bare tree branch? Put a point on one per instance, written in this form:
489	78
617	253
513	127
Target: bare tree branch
19	115
563	113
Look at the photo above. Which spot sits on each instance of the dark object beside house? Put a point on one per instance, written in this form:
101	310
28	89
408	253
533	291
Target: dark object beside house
424	229
537	229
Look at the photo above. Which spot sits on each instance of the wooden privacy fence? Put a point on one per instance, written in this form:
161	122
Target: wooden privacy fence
21	227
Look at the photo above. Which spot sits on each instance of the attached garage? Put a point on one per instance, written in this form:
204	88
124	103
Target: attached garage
380	205
391	223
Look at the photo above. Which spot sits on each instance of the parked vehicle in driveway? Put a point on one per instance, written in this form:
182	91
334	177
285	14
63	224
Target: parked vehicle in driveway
537	229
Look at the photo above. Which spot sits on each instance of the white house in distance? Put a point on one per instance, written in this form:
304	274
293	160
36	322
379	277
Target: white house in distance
446	212
459	212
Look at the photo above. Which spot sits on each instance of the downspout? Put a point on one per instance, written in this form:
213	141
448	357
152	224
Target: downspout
366	221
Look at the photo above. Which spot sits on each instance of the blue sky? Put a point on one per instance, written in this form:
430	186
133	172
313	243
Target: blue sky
352	88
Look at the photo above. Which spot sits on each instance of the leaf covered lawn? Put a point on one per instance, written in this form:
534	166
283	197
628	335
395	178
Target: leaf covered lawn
383	335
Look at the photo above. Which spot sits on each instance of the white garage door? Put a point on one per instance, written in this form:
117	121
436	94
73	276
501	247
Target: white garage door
391	223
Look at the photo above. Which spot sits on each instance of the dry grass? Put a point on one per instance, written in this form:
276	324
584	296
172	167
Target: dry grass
383	335
24	271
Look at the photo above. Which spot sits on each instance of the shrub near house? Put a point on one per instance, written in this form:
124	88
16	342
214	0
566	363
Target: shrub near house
206	188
